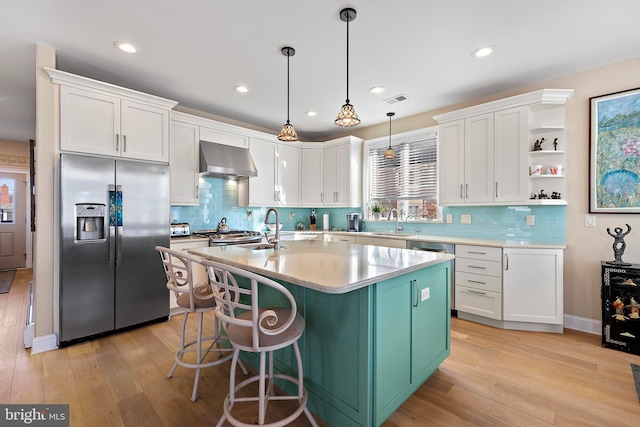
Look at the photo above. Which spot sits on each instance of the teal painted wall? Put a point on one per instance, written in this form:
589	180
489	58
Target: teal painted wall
219	198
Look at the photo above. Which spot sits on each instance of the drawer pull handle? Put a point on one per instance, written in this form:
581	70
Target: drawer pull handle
478	267
476	281
477	253
476	292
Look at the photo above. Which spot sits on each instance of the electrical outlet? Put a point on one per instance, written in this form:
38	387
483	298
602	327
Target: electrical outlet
449	218
424	294
465	219
589	220
531	220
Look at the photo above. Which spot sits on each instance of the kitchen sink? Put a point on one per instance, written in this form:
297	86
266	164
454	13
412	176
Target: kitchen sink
261	246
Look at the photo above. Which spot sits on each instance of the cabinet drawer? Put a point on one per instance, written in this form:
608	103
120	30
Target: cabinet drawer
481	303
479	252
478	266
479	281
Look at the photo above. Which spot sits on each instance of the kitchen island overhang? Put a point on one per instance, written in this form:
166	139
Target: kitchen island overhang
377	321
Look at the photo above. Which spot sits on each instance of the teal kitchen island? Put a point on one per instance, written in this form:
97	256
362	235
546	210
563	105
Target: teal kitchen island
377	321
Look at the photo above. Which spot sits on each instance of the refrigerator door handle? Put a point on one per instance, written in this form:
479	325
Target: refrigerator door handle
119	214
112	245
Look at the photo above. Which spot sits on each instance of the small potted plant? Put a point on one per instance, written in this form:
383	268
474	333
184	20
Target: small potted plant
376	209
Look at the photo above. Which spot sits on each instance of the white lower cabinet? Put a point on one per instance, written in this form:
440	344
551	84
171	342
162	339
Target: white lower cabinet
381	241
533	285
199	272
478	277
339	238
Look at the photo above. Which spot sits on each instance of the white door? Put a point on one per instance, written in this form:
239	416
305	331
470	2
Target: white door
478	158
13	219
510	155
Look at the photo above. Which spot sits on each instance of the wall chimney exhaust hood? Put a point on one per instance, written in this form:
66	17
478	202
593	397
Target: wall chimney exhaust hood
225	161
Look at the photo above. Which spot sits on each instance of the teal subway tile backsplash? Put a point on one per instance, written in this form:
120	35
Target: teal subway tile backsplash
219	199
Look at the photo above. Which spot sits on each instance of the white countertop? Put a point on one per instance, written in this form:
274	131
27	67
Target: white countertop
453	240
330	267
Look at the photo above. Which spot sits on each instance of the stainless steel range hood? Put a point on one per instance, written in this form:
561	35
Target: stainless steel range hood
225	161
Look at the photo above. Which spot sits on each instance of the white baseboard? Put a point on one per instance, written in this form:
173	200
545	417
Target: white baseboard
44	343
582	324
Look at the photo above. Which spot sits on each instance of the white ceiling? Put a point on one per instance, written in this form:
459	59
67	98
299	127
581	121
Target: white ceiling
196	51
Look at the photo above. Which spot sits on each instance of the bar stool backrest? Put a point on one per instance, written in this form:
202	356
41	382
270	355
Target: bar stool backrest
178	267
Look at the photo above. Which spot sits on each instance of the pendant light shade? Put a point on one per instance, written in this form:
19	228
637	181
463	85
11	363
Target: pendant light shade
288	133
389	154
347	116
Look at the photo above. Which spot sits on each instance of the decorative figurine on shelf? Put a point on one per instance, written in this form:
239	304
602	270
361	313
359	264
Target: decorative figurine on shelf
537	146
619	305
618	244
635	309
556	195
555	144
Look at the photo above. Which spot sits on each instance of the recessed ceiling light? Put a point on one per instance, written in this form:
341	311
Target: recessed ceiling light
483	51
126	47
241	88
377	89
311	113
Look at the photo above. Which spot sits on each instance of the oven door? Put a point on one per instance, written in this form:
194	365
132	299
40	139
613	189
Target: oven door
447	248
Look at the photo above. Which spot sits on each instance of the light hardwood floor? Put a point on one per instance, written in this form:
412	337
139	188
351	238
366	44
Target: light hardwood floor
492	378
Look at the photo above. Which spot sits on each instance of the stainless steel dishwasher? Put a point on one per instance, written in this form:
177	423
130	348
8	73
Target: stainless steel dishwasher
447	248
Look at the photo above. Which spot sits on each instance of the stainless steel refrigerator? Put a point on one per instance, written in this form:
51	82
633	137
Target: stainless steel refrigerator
113	213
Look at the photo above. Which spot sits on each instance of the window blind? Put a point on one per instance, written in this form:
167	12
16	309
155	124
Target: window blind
411	174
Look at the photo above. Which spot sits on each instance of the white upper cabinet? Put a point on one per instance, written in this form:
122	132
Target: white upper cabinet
278	180
184	163
342	173
484	151
311	176
103	119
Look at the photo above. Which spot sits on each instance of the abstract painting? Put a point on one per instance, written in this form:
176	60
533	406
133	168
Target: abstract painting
615	153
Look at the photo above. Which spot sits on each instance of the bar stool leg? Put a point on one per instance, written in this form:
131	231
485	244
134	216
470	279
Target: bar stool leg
181	351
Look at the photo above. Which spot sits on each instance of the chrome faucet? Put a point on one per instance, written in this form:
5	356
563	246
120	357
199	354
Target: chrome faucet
398	227
275	240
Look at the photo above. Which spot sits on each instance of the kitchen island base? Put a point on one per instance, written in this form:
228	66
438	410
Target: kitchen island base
366	351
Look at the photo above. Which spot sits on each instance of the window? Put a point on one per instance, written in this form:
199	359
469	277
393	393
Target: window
408	182
7	191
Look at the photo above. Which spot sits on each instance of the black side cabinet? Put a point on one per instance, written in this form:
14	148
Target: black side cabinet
620	307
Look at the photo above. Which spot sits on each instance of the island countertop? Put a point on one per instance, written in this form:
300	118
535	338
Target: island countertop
329	267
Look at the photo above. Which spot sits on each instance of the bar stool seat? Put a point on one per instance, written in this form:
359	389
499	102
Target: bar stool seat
193	298
256	329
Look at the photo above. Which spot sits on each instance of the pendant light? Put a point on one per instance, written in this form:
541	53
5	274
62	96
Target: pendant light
288	133
347	116
389	154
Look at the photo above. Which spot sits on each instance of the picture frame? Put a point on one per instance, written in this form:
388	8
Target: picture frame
614	174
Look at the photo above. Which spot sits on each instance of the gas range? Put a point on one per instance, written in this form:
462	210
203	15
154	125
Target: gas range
232	237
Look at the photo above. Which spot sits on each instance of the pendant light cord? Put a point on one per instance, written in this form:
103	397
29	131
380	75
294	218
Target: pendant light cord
348	19
288	56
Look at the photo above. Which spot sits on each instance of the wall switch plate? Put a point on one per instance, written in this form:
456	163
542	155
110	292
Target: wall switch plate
465	219
449	218
531	220
424	294
589	220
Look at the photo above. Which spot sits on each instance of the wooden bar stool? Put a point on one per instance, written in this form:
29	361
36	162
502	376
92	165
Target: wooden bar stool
193	298
260	330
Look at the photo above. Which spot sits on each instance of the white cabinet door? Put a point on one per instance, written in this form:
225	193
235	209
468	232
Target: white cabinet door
184	163
288	175
330	176
100	123
89	122
381	241
478	158
311	176
262	189
451	162
510	155
343	172
144	132
532	285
